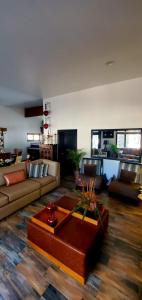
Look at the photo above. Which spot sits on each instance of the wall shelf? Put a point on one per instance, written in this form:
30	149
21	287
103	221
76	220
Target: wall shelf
2	131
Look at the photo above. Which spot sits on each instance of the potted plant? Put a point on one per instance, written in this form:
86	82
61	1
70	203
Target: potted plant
75	156
114	150
89	205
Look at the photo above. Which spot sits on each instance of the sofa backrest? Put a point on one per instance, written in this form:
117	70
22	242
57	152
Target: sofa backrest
37	161
12	168
54	167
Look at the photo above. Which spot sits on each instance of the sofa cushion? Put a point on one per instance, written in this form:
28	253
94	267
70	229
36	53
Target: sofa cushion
12	168
3	199
20	189
127	176
15	177
44	180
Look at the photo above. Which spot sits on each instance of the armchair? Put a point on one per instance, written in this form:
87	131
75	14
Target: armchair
127	184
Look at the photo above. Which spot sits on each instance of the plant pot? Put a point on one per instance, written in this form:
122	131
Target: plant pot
76	174
114	155
90	214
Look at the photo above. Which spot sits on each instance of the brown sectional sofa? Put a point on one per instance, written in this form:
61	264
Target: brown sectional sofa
20	194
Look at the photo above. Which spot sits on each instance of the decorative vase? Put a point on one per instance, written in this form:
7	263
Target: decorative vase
52	220
45	126
50	207
51	217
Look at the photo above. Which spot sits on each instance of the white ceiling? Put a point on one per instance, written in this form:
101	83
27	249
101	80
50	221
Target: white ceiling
51	47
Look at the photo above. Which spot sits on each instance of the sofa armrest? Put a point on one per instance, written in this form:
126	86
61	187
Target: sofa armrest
54	169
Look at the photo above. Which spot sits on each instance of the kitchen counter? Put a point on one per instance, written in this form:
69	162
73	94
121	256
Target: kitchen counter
108	165
130	161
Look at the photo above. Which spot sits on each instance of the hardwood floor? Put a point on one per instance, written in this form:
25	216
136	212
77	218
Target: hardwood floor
24	274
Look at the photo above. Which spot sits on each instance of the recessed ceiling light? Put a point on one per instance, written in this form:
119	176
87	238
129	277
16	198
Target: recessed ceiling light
109	63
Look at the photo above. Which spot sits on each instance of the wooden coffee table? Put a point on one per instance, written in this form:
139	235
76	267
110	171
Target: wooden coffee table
73	245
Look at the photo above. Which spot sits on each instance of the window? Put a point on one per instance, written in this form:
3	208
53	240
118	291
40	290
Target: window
133	140
128	141
129	138
33	137
120	140
95	139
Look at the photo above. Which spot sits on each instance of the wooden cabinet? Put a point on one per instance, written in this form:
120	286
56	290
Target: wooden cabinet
48	151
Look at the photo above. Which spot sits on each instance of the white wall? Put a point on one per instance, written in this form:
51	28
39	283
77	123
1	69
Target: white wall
117	105
17	127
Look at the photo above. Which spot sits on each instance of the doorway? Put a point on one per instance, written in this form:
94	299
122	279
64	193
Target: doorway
67	139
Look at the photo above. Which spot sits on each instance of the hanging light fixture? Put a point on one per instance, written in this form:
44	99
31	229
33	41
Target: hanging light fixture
49	136
46	112
46	119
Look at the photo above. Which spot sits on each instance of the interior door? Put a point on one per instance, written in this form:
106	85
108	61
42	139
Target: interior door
67	139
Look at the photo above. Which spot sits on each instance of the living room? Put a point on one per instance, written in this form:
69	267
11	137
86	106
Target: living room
81	61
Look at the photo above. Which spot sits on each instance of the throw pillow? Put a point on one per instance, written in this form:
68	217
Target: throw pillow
41	168
127	176
15	177
30	170
35	170
45	170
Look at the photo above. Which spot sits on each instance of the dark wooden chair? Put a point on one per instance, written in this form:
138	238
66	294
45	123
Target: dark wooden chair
89	172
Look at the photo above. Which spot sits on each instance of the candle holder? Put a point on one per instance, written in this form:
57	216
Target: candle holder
51	218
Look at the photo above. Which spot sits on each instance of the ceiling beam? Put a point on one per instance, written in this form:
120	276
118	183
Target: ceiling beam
33	111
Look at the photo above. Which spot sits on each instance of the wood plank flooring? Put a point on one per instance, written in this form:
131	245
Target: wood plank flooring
117	275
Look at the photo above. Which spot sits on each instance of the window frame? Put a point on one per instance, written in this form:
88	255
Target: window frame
95	132
126	132
34	134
